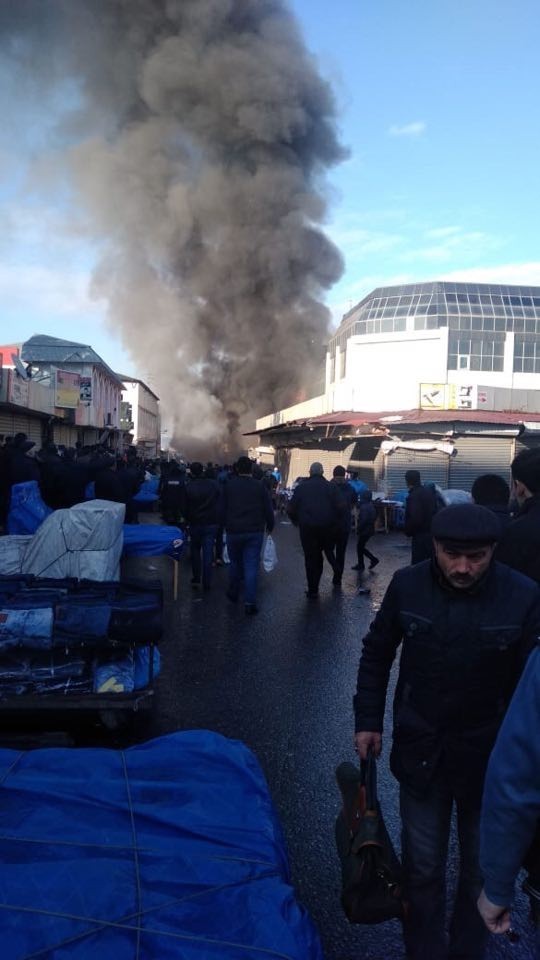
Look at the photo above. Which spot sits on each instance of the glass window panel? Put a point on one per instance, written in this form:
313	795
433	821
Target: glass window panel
475	363
452	361
400	324
405	301
432	323
519	324
498	363
530	325
536	301
528	365
432	308
476	308
462	298
451	298
425	298
387	325
518	312
402	311
527	301
453	323
465	323
485	299
489	323
476	323
473	298
496	300
515	301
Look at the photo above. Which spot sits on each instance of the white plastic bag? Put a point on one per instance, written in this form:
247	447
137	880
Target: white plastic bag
269	556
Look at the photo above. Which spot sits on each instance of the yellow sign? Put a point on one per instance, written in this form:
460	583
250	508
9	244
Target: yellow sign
432	396
68	389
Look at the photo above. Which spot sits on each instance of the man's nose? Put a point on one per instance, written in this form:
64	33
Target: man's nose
462	565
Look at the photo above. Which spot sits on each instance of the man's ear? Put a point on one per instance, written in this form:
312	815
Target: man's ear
522	492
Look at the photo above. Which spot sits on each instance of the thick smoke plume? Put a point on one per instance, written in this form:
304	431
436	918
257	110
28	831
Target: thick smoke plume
200	133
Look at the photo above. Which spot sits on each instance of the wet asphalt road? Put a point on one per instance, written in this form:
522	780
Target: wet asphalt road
283	683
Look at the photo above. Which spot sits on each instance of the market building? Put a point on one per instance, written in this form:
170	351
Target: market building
441	376
58	390
140	412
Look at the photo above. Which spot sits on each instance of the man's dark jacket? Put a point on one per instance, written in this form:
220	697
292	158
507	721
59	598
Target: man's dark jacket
519	546
246	506
202	497
420	508
462	653
316	503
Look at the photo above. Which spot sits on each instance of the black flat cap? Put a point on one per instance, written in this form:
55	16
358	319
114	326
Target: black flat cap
466	523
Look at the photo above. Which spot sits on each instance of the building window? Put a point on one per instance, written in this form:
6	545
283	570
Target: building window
475	354
342	361
526	355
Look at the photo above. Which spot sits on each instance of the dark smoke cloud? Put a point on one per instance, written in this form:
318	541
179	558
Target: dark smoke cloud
197	151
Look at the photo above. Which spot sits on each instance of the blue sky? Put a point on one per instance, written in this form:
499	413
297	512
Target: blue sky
438	105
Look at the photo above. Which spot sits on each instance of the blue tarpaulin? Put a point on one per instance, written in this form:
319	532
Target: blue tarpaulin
168	850
27	509
152	540
148	492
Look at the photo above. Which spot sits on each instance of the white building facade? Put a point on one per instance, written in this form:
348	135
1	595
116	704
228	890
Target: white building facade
143	406
437	345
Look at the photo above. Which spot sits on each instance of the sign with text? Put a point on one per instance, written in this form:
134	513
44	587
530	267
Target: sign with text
85	391
448	396
68	389
19	389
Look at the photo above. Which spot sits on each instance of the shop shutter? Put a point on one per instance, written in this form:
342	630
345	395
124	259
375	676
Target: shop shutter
301	460
65	434
32	426
432	464
478	455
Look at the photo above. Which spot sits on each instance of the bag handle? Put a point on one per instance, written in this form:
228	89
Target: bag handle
368	779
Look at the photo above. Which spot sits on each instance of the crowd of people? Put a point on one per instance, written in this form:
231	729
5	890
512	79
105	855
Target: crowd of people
465	614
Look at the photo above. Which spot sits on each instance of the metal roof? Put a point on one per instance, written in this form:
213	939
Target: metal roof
388	419
45	349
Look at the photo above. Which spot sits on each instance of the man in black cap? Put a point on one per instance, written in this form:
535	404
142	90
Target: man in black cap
466	624
316	509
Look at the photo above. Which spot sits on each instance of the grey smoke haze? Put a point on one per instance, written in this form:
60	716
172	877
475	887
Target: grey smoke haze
196	150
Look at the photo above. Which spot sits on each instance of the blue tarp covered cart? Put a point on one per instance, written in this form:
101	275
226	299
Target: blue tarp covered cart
170	850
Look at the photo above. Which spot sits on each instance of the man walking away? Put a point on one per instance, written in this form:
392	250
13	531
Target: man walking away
316	509
246	511
201	512
511	808
347	498
466	624
173	494
492	491
365	526
520	543
420	508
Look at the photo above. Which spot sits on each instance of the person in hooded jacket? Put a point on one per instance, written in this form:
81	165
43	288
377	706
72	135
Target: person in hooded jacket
365	528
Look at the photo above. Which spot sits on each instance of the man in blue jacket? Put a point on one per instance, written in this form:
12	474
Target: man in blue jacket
511	807
466	625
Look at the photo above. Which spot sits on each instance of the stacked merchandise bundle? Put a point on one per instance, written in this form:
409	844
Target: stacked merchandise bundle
76	636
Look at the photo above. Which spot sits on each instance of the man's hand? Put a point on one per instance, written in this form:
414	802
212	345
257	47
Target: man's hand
366	739
495	917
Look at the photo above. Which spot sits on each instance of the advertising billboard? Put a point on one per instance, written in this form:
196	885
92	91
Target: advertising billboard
67	389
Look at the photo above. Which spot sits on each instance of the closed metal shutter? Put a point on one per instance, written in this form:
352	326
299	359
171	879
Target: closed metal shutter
65	434
433	467
301	460
478	455
12	423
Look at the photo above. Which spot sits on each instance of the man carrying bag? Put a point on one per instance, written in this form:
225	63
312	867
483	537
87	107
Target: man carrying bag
371	872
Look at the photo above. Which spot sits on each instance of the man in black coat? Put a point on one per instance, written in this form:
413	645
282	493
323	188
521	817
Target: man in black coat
520	544
420	508
316	508
202	495
245	512
348	500
466	625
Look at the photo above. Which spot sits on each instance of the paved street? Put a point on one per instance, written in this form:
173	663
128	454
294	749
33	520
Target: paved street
282	682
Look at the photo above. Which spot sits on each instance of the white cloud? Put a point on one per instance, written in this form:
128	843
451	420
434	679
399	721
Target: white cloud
415	129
